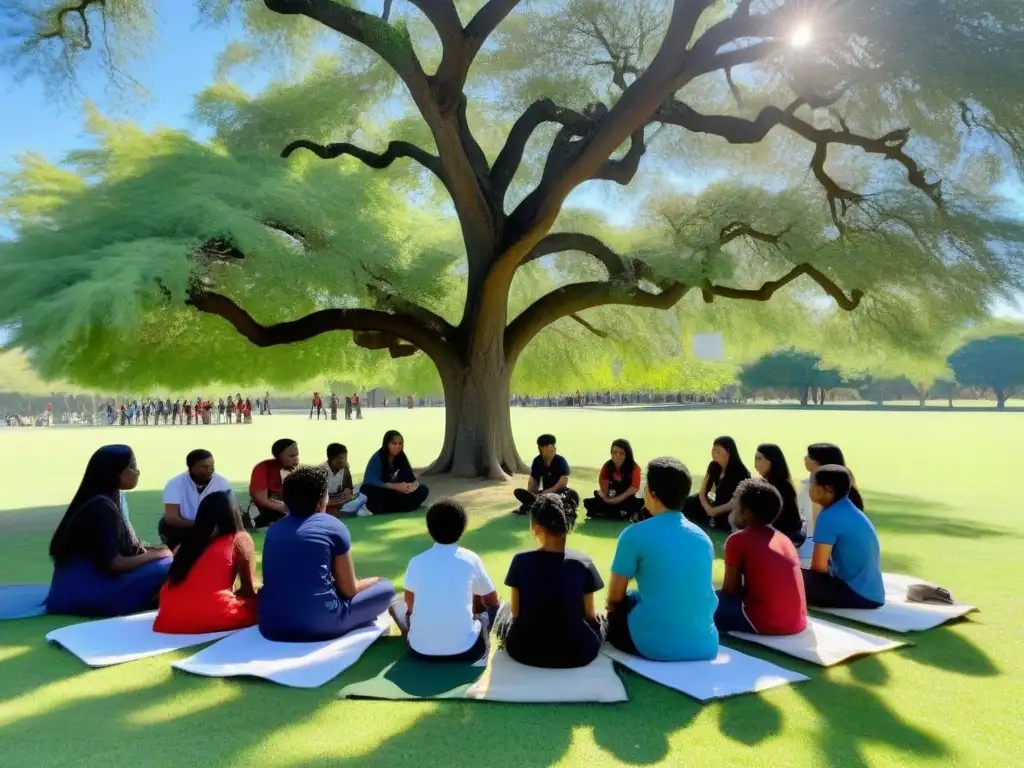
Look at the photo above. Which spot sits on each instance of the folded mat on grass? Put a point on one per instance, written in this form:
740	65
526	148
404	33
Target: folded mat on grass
823	643
23	601
412	678
508	680
298	665
730	674
107	642
899	615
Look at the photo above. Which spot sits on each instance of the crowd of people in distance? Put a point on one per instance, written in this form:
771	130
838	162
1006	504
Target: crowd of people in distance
353	406
156	411
609	398
203	576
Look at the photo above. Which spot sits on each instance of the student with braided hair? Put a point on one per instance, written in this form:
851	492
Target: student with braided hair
550	621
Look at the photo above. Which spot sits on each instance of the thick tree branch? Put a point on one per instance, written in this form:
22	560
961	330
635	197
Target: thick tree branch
559	242
380	161
433	341
623	170
769	289
511	155
737	130
364	28
570	299
486	20
59	29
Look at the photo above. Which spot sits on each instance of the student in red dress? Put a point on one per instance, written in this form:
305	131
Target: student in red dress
265	487
199	595
763	589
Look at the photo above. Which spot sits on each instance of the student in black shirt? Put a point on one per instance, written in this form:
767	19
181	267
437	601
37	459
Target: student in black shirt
712	507
550	621
771	464
549	473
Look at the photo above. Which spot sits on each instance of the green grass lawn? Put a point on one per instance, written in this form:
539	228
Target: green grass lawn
935	485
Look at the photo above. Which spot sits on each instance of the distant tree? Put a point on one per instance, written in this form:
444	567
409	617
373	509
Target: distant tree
947	388
790	370
996	363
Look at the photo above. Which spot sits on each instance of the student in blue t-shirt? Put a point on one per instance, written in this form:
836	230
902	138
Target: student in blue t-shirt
549	473
846	569
310	590
670	617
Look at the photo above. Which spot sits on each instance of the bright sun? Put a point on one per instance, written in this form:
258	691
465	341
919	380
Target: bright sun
801	37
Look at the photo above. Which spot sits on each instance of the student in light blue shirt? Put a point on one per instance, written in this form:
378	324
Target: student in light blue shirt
670	616
846	569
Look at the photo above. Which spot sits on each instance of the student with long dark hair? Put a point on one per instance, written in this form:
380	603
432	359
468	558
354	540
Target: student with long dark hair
713	505
389	483
100	568
310	589
619	483
215	552
550	620
770	463
265	483
820	455
846	569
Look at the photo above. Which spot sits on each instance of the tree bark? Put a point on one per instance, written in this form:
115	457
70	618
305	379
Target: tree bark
1000	398
805	394
478	439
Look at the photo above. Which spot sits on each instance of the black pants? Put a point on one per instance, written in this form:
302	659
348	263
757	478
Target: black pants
597	507
526	499
826	591
384	501
170	535
480	649
693	511
618	627
264	516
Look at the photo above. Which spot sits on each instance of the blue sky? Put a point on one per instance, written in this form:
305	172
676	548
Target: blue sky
180	65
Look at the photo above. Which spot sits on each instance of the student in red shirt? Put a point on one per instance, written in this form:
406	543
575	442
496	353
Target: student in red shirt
265	483
618	484
763	589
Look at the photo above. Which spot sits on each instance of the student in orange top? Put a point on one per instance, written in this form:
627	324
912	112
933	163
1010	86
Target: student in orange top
619	483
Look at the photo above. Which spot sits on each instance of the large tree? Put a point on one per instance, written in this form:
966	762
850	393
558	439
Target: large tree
790	370
901	114
995	363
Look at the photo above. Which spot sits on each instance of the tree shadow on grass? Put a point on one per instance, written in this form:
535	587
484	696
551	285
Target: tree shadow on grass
749	719
514	735
853	716
912	515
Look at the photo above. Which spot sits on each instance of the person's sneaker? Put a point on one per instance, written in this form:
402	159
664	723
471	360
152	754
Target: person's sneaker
364	512
400	613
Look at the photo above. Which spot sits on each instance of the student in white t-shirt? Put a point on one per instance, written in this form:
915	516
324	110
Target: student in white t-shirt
342	500
183	493
450	601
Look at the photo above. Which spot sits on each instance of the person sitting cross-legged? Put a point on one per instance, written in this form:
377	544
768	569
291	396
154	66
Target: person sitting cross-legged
389	483
550	620
185	492
846	569
670	617
620	480
450	602
549	473
343	501
199	595
310	590
763	591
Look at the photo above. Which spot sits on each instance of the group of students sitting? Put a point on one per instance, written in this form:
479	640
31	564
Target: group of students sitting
311	592
389	485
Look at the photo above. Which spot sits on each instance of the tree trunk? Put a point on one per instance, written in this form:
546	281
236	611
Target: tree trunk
804	396
478	438
1000	399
